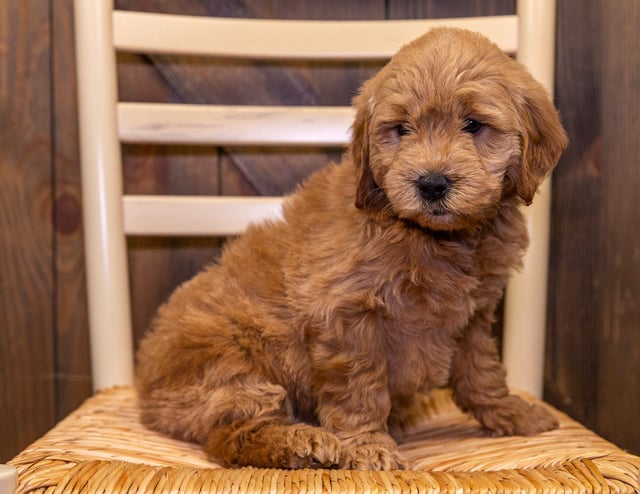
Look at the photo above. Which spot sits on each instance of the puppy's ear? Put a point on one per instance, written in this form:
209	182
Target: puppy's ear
368	193
543	140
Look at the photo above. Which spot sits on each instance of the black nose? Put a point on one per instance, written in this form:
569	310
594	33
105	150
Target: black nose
433	186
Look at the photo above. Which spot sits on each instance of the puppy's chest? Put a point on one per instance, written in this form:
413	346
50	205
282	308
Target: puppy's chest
437	290
445	282
420	363
429	307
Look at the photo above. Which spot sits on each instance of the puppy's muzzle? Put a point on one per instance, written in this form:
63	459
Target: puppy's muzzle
433	187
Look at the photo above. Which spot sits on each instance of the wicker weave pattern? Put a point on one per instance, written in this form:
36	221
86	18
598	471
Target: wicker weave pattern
102	447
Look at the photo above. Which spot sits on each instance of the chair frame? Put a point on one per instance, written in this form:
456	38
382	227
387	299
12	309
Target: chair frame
105	123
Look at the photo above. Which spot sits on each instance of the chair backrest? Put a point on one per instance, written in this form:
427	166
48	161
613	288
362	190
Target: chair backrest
105	123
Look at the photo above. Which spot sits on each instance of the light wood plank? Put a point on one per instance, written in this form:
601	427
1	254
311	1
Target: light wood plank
289	39
234	125
195	215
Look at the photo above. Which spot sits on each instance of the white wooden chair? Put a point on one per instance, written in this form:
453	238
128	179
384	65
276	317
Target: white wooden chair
105	123
102	446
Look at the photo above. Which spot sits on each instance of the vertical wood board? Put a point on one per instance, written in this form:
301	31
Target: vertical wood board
27	399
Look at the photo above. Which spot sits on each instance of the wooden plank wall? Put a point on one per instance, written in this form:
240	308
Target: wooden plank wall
27	250
593	369
44	368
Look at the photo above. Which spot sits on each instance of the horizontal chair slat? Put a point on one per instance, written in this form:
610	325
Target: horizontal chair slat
195	215
234	125
288	39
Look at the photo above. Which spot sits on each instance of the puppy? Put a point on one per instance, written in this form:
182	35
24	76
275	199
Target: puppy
306	345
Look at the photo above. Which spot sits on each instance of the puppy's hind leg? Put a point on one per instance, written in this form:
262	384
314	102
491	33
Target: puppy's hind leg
256	428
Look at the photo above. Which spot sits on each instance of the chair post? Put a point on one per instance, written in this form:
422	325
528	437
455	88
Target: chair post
105	244
525	318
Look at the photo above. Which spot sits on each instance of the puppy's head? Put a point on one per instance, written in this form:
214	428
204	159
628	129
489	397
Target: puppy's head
450	128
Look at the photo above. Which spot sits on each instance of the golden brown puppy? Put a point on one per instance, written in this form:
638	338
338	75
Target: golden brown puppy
306	345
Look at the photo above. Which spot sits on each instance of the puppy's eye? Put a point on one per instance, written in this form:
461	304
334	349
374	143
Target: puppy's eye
401	130
472	126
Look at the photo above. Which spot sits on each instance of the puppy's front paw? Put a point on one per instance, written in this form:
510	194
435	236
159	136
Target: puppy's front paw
273	445
512	416
313	447
371	451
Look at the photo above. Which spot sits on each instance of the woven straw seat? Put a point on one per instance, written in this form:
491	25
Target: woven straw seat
102	447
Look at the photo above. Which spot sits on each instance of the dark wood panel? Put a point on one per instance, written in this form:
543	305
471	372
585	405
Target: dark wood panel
445	8
27	399
574	313
594	307
281	9
618	378
73	366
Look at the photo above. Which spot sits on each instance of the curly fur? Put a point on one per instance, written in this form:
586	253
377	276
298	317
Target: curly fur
307	343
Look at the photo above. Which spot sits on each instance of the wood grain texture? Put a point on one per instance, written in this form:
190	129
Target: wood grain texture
594	304
573	326
442	8
73	367
234	125
618	378
27	364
